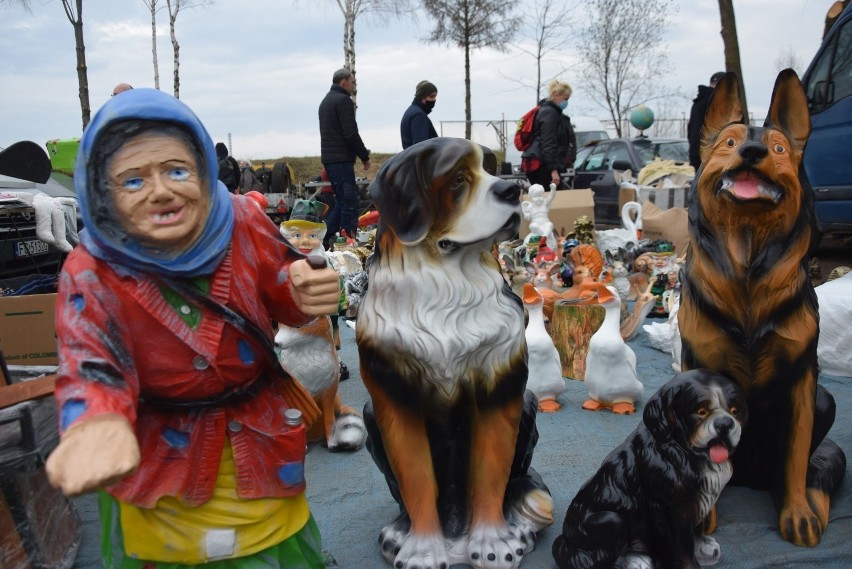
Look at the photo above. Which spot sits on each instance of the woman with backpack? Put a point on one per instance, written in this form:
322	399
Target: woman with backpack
554	144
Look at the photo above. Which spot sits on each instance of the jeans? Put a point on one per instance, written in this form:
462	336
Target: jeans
344	215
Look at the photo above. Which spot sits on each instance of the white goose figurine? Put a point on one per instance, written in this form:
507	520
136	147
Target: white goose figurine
612	239
610	363
545	369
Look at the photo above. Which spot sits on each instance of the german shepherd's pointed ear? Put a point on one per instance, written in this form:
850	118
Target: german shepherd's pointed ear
723	109
788	111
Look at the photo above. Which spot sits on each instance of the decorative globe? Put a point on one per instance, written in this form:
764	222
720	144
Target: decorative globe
642	117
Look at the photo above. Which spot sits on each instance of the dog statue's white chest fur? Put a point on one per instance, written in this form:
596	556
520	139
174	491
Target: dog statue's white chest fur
451	323
714	478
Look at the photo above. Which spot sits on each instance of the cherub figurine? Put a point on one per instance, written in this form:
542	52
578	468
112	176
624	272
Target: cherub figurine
170	396
537	209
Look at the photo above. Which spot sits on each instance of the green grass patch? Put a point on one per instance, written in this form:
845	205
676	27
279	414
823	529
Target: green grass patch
307	167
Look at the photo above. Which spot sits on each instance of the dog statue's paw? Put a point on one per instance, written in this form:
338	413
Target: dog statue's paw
633	560
707	551
393	536
529	516
422	552
494	547
348	433
801	525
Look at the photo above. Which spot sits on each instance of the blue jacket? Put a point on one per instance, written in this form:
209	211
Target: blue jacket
415	125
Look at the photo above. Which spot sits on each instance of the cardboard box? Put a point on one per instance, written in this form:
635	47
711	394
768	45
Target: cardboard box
666	198
626	195
567	206
28	330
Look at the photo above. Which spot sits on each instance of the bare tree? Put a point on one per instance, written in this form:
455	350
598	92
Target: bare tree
472	24
787	58
75	16
623	63
831	16
174	7
547	24
351	9
732	47
152	7
25	4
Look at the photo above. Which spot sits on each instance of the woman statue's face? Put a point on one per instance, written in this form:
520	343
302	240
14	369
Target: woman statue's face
157	191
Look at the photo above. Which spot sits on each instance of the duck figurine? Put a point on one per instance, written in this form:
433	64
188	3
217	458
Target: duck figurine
610	363
545	369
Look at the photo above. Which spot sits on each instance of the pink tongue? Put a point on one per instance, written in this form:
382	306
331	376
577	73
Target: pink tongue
746	188
718	453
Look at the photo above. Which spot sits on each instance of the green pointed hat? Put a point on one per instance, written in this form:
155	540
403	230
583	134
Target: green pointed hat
309	210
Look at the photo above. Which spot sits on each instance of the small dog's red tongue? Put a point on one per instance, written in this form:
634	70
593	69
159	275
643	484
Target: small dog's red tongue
746	188
718	453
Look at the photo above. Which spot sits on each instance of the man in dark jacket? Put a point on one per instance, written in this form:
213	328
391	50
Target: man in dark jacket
696	119
340	144
415	125
229	168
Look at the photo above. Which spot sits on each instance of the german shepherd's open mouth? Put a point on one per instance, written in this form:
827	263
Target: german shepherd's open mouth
745	184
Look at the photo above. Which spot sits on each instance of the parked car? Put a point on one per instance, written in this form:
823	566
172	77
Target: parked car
22	253
595	165
585	137
828	85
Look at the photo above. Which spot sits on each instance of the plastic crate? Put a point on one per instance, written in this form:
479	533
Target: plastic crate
63	153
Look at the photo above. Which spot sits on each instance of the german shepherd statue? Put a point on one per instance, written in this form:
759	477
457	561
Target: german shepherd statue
748	310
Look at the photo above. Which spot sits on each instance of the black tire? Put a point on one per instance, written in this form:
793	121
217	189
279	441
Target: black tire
280	178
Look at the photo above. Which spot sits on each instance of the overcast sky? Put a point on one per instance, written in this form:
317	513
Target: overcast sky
257	69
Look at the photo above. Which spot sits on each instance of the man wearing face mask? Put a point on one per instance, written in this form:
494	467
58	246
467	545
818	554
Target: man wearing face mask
415	125
554	145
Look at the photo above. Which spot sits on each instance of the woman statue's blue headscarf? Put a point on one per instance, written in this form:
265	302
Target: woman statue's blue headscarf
121	117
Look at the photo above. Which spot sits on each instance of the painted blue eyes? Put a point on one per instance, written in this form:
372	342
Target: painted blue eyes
177	174
132	184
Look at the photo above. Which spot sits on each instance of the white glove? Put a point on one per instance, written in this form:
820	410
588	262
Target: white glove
56	218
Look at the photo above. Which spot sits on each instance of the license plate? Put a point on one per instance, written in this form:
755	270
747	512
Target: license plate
31	247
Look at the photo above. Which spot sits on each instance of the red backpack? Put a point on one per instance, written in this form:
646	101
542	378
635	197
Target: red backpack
524	132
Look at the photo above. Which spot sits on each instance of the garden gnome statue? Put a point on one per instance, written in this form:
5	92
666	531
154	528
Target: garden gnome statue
309	352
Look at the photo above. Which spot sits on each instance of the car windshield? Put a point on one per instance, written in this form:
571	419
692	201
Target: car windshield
677	150
581	155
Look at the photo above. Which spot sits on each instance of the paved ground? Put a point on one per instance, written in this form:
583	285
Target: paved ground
351	502
833	252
